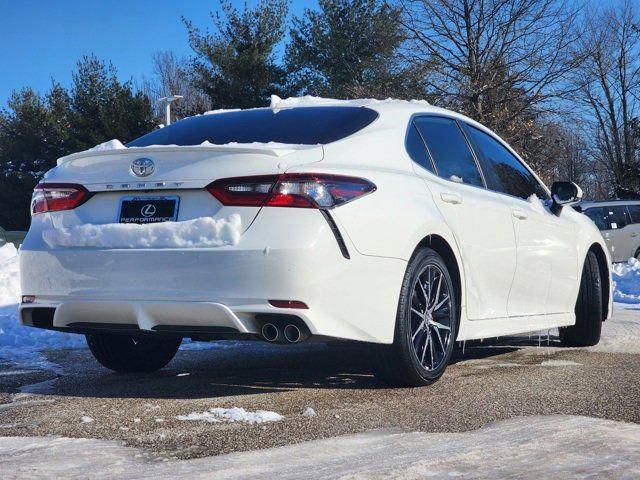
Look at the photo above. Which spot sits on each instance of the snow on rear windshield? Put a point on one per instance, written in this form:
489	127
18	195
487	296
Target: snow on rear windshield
302	126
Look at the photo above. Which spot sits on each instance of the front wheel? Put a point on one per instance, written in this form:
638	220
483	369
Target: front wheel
124	353
426	324
586	331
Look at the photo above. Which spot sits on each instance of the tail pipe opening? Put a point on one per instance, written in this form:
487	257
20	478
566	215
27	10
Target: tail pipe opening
285	329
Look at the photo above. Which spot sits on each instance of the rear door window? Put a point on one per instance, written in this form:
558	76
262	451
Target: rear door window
615	217
449	150
503	171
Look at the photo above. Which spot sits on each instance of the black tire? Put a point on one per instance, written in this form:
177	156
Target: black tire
124	353
586	331
399	364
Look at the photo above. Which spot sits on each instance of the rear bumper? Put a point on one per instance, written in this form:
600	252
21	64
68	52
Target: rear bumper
290	255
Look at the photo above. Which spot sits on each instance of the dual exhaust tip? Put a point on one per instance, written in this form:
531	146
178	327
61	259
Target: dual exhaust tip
289	334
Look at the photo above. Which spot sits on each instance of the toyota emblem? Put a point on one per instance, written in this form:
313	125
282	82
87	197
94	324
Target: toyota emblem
142	167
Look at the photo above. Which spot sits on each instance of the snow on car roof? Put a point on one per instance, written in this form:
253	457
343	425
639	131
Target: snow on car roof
277	103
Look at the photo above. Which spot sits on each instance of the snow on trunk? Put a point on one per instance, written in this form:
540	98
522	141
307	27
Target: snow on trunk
199	232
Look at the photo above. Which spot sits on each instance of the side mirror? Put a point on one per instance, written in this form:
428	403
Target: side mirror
564	193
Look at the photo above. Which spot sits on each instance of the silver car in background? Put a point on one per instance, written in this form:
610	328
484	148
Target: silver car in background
619	222
15	237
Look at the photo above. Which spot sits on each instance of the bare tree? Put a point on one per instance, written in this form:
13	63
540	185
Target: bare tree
608	84
497	61
171	76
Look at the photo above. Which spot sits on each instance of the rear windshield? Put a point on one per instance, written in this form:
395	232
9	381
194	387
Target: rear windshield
305	126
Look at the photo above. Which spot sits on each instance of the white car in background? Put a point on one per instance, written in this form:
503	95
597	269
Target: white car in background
389	222
619	222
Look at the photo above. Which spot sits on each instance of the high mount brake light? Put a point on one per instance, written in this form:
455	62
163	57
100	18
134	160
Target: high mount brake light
53	197
298	190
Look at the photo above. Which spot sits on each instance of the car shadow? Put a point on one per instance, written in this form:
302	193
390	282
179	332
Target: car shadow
244	368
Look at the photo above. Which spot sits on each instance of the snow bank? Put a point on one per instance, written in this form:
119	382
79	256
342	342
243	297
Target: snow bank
234	414
199	232
626	281
9	275
20	344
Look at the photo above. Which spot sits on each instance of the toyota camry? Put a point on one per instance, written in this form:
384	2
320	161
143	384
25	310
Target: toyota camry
394	223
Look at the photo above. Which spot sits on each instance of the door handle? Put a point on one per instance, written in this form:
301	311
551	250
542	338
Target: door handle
634	234
453	198
519	214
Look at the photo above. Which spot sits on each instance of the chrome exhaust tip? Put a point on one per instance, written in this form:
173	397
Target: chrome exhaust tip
270	332
292	334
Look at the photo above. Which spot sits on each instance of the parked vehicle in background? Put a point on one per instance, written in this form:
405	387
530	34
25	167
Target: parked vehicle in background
619	222
394	223
12	236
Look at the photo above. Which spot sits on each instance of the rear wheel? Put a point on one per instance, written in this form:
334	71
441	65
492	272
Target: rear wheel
586	331
426	324
124	353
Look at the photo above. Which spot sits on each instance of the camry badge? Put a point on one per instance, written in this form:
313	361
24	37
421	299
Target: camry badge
142	167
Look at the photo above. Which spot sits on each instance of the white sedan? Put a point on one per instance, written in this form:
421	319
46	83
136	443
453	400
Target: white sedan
388	222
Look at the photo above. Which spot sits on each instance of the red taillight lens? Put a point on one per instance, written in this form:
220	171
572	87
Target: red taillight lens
243	191
300	190
52	197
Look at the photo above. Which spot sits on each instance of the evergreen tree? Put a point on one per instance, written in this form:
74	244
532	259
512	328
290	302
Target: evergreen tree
27	149
235	66
36	130
102	108
350	48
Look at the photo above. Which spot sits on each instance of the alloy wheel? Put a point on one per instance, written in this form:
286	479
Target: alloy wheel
430	317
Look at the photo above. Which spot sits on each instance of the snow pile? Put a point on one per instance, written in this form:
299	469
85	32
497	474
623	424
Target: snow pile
18	343
9	275
278	103
537	204
114	144
309	412
235	414
199	232
626	281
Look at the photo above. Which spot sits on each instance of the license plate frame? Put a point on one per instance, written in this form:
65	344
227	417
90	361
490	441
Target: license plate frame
159	209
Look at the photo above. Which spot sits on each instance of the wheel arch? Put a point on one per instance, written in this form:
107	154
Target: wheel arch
605	276
441	246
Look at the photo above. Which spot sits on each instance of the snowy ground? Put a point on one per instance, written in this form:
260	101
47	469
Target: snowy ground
534	447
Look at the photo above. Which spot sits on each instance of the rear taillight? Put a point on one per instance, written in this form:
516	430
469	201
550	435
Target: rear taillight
53	197
298	190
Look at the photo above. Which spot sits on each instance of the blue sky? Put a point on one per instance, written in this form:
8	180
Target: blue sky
43	39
